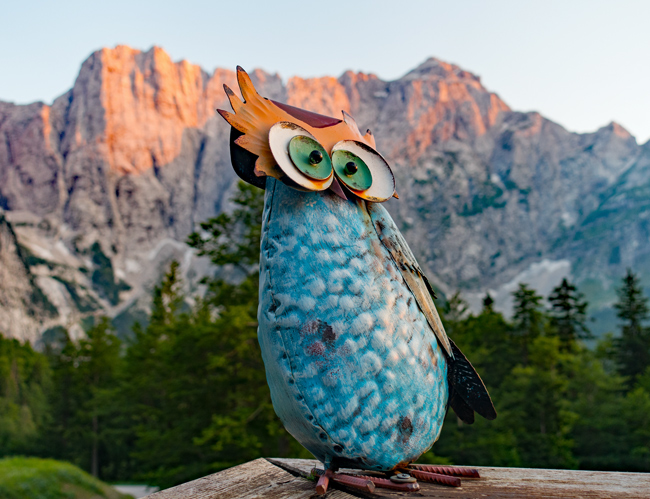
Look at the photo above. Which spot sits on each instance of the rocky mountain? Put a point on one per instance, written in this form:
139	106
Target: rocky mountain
100	189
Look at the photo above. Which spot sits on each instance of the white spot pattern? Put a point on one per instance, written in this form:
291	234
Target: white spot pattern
352	336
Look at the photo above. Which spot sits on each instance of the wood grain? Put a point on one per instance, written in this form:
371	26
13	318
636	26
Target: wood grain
276	479
520	483
258	478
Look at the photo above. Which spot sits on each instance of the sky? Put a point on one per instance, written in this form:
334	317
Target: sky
579	63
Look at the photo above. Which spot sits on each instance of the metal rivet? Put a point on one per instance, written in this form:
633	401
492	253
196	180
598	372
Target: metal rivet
403	478
315	157
350	168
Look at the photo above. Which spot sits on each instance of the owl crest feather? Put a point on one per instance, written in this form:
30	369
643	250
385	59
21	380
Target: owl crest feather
255	115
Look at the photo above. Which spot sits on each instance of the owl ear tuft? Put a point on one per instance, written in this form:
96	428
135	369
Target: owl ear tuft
349	120
246	86
235	102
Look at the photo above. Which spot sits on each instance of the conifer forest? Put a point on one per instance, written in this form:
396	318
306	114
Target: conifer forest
185	394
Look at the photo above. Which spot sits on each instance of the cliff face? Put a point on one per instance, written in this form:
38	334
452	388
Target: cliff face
25	308
102	187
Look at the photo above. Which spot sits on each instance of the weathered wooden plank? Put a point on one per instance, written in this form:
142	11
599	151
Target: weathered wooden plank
254	479
521	482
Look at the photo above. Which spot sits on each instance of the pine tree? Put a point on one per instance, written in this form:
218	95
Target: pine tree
234	238
167	300
25	378
568	314
633	346
488	304
99	358
83	373
527	317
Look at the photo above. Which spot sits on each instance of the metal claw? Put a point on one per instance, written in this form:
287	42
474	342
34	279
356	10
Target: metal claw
426	476
362	483
323	482
448	470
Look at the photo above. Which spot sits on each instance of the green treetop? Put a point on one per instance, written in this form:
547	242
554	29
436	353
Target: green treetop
568	314
633	346
528	317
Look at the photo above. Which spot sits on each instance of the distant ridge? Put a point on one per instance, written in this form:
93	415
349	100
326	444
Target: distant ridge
114	174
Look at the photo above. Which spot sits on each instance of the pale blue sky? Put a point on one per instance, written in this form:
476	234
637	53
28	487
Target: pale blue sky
580	63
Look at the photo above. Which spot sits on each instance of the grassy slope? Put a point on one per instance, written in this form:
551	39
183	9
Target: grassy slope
33	478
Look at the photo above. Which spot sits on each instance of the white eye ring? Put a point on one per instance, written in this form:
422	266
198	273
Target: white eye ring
383	181
280	135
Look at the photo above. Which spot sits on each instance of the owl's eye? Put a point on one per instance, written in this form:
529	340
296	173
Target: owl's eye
363	171
310	157
300	157
351	170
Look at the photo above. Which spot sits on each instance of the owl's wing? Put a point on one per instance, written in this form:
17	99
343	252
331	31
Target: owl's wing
467	393
415	279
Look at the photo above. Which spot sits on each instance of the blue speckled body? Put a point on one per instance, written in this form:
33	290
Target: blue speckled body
355	372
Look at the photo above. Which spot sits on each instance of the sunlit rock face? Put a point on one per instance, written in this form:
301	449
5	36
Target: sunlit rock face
103	186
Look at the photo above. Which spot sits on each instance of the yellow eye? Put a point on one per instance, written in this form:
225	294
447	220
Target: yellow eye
372	179
300	157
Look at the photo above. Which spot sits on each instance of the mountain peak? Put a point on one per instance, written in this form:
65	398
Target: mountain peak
614	131
618	130
434	67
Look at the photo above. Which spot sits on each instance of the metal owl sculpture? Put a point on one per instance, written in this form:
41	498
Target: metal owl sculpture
360	368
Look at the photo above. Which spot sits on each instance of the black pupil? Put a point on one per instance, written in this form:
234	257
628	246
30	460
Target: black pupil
315	157
351	168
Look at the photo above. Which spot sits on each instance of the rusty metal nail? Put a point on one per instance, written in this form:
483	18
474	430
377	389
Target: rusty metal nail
323	482
354	481
448	470
426	476
387	484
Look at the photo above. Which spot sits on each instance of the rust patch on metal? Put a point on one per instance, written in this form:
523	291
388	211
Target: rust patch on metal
434	359
321	328
309	328
328	334
316	348
402	465
405	429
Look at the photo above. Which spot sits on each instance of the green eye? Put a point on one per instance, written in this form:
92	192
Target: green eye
351	170
310	157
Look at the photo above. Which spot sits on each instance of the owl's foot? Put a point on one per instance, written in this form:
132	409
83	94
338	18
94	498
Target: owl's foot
443	475
362	482
351	481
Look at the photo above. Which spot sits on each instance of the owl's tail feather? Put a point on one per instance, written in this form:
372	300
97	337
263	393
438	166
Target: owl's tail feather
467	393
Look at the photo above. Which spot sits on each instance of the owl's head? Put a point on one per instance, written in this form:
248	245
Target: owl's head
304	150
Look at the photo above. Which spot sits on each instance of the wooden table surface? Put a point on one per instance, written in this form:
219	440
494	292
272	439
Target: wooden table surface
283	479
